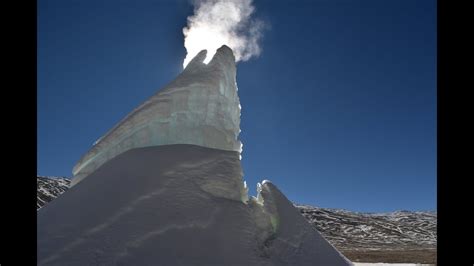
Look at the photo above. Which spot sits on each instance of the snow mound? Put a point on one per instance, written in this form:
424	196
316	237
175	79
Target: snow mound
176	205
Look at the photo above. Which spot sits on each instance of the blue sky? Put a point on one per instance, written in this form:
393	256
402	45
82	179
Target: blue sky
338	111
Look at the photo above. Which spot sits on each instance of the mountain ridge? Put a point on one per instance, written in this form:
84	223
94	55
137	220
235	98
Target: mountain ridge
363	212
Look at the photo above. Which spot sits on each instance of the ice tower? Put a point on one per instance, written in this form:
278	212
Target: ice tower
164	187
201	107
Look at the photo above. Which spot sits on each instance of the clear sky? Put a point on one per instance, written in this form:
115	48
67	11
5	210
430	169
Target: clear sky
338	111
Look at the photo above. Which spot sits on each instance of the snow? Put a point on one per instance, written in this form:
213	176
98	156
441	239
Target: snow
200	107
176	205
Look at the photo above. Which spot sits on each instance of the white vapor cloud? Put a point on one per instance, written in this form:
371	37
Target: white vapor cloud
218	22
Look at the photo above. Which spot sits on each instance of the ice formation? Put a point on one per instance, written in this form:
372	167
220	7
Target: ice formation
164	187
201	107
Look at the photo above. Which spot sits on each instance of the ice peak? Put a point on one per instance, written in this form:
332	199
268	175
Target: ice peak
223	58
197	61
199	107
224	52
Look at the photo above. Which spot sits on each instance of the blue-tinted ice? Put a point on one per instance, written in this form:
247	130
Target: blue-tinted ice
201	107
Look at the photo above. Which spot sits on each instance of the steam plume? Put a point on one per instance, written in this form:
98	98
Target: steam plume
219	22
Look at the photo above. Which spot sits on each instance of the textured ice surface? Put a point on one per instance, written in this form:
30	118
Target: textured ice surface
201	107
176	205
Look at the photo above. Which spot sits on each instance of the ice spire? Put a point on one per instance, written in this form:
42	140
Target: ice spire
201	107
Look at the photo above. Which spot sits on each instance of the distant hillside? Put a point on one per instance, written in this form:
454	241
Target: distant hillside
393	237
49	188
400	229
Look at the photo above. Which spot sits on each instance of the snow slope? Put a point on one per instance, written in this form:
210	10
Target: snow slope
341	228
176	205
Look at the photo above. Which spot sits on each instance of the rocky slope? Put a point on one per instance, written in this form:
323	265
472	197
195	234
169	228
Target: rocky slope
49	188
374	231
